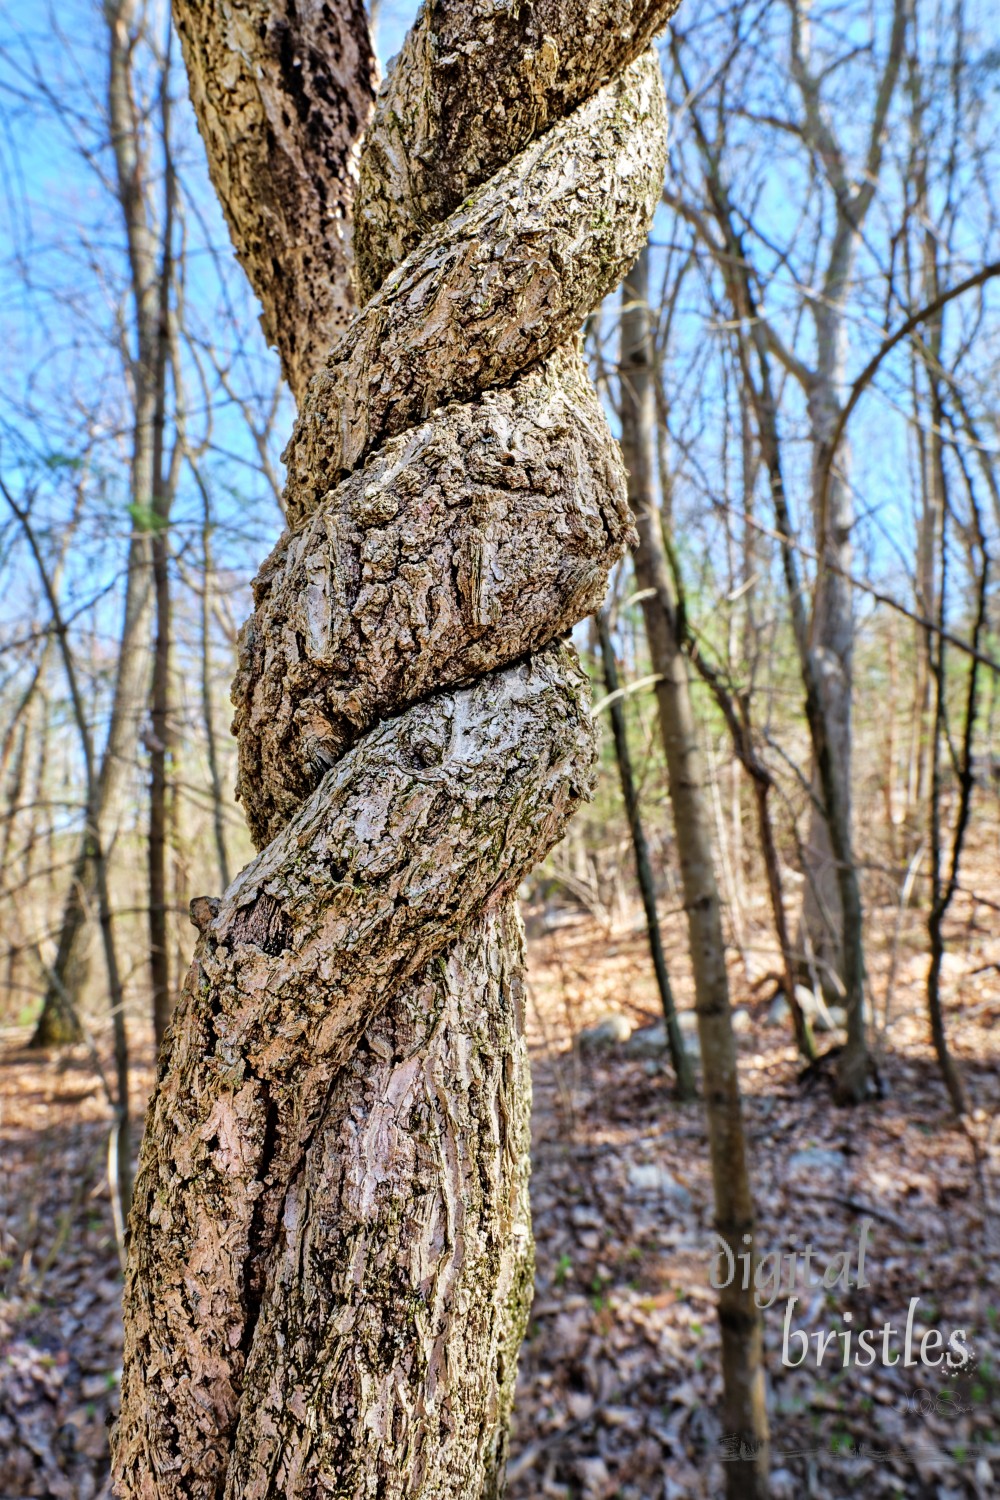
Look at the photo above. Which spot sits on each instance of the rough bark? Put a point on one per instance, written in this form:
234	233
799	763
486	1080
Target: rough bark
359	1315
432	818
740	1321
473	84
457	547
502	282
283	90
256	1358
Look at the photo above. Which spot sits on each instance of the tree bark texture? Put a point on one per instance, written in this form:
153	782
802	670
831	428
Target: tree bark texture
458	546
501	283
473	84
283	90
429	820
330	1266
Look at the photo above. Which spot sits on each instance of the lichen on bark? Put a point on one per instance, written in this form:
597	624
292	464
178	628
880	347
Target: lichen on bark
472	85
430	820
393	1308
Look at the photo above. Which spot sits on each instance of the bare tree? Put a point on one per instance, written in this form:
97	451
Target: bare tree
166	472
739	1316
147	373
944	886
313	1299
675	1039
96	857
755	344
839	190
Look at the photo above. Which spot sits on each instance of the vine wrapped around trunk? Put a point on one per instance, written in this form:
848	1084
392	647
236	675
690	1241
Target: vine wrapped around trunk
330	1262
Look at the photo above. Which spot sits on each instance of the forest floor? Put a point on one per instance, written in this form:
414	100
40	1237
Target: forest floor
619	1380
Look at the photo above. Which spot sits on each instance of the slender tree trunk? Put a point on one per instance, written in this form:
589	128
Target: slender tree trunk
159	759
926	356
20	734
330	1248
943	887
832	626
853	1076
744	1409
832	637
644	871
96	856
207	706
738	722
164	482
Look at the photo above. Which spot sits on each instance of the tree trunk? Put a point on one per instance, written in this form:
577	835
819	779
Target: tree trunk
741	732
832	632
675	1038
159	757
283	90
207	706
826	921
330	1263
56	1025
412	1318
744	1410
854	1067
161	729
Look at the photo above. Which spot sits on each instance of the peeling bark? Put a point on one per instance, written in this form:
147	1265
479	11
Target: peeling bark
330	1266
434	817
409	1310
283	90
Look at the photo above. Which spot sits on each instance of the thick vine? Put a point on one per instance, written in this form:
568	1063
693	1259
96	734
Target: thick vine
413	739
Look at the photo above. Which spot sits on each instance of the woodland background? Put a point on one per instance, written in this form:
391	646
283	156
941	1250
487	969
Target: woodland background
832	180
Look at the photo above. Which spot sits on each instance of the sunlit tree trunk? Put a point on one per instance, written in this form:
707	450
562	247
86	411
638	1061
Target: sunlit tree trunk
832	625
56	1024
330	1264
683	1072
744	1410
